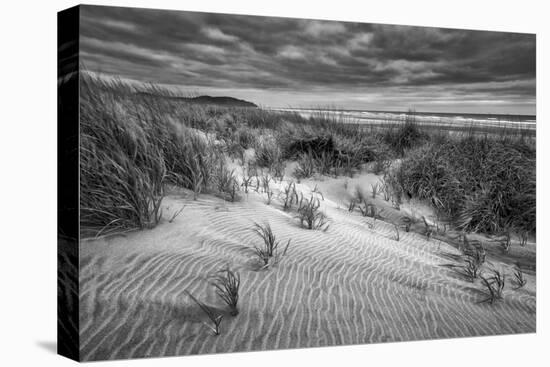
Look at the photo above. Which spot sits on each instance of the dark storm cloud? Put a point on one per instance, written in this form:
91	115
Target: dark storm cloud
295	55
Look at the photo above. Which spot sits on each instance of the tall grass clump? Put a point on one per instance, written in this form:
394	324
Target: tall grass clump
225	181
401	137
482	184
133	141
246	137
121	172
329	149
305	167
190	158
268	152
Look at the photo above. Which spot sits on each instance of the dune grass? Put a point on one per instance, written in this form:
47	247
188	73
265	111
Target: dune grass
474	257
214	317
189	158
401	138
135	141
310	216
122	174
268	251
482	184
175	214
290	196
131	145
494	286
519	278
506	242
227	285
225	181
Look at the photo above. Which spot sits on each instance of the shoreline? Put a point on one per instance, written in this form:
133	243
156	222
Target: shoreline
432	120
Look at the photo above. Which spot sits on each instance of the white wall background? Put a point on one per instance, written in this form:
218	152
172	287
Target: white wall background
28	181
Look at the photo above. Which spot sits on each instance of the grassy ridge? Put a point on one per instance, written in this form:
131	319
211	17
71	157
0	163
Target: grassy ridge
134	142
131	145
481	184
122	171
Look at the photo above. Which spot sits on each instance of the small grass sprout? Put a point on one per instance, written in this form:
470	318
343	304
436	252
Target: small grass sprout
227	285
310	216
214	317
494	286
176	213
268	251
519	278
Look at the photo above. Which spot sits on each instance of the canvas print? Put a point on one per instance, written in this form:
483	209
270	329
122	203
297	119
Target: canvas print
235	183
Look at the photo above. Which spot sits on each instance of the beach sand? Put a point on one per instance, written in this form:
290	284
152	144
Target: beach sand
350	284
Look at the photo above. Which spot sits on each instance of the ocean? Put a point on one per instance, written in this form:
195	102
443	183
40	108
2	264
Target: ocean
458	120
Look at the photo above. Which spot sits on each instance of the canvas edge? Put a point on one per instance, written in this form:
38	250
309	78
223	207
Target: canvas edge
68	343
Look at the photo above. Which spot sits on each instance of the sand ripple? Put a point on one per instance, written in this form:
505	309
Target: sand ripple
348	285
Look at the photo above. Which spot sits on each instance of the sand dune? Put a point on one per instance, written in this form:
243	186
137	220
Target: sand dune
351	284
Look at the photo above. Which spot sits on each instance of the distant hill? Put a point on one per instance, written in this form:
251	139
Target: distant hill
220	101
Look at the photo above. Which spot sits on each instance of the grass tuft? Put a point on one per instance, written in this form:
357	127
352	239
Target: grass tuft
226	182
474	256
310	216
290	196
519	278
494	286
268	251
227	285
406	136
212	315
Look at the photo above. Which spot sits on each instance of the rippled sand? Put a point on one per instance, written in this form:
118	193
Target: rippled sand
348	285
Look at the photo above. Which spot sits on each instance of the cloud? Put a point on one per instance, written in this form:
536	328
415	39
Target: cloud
292	52
111	23
204	49
360	40
217	35
327	61
320	28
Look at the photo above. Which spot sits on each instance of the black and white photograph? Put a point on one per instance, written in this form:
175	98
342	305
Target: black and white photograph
252	183
249	183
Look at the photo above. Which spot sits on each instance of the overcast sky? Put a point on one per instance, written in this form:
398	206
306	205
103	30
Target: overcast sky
283	62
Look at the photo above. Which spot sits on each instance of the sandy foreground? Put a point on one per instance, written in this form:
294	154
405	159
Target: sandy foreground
351	284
